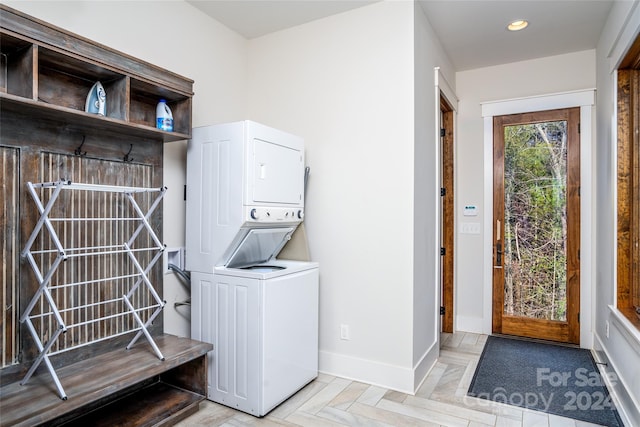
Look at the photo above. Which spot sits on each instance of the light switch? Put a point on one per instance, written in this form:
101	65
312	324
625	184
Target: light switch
470	228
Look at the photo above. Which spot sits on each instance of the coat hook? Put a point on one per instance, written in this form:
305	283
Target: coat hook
79	151
126	156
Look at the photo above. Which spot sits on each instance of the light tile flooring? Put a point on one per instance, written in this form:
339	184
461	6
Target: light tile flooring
440	401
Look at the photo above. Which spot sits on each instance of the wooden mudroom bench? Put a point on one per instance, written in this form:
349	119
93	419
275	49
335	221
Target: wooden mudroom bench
121	387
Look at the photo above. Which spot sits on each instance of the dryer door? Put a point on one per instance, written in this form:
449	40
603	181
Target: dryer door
278	173
259	245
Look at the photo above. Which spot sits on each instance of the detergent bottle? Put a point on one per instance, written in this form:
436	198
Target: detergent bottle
164	118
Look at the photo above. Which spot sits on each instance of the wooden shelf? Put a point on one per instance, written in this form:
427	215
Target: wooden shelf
141	408
85	122
143	388
47	72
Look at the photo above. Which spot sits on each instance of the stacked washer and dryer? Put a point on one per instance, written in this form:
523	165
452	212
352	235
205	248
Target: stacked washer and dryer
245	198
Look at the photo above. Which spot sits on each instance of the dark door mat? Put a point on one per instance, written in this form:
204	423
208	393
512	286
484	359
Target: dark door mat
544	377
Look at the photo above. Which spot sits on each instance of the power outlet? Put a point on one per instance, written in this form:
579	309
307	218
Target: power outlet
344	332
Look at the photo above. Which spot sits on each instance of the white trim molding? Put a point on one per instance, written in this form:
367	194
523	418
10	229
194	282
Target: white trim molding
539	103
444	86
585	99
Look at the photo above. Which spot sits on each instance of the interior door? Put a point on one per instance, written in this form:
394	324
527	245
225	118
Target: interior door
536	231
447	194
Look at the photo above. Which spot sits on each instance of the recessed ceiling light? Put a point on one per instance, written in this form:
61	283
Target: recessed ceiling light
517	25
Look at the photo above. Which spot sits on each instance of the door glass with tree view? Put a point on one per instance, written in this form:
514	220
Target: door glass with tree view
536	225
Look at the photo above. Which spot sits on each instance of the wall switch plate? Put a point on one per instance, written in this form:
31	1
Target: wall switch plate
344	332
470	228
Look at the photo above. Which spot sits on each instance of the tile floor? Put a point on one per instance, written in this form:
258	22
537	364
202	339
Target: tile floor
440	401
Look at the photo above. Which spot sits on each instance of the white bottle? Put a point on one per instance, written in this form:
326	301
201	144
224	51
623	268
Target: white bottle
164	118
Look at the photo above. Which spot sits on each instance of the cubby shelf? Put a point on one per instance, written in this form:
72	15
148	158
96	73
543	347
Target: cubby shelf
85	121
47	73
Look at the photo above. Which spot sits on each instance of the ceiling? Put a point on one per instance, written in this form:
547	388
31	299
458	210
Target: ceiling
472	32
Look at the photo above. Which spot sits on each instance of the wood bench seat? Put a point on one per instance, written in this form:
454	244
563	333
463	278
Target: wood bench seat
120	387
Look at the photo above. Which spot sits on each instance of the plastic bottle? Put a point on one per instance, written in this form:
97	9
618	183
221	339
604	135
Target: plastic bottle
164	118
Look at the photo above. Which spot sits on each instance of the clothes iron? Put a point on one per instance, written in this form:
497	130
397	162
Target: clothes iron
96	100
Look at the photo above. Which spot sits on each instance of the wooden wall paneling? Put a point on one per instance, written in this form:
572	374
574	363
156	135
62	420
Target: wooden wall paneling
9	248
76	204
47	154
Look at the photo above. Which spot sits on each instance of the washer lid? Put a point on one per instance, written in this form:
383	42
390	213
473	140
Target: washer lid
259	245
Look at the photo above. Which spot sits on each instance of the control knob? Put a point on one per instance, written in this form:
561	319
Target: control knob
300	214
254	214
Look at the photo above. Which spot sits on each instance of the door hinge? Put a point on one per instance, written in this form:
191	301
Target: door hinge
443	192
578	127
442	310
578	317
443	251
443	132
185	192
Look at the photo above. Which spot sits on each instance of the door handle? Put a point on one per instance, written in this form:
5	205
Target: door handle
498	254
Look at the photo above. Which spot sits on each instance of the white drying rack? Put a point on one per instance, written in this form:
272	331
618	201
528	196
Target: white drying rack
132	306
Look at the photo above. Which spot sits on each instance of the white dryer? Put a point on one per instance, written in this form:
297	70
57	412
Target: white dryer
245	185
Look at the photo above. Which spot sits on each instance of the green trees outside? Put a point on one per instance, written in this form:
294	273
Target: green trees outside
535	170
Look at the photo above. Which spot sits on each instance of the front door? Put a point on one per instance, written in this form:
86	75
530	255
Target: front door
536	225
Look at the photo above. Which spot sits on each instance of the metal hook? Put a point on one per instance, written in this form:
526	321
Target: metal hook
126	156
78	151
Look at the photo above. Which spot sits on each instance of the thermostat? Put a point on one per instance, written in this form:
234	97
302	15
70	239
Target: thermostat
470	210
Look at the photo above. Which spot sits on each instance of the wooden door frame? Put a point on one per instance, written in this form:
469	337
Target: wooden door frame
447	227
569	331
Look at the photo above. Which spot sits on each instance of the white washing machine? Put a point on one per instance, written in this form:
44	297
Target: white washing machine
245	198
263	324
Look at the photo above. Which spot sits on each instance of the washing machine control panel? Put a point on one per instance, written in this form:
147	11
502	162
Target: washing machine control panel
273	214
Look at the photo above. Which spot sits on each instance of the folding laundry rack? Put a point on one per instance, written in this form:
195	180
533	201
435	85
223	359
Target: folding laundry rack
134	311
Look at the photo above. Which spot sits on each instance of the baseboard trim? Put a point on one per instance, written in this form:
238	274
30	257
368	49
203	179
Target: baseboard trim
367	371
384	375
628	408
424	366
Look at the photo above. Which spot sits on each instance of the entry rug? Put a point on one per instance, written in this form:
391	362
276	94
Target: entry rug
544	377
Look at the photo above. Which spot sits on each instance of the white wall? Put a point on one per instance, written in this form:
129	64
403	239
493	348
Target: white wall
427	201
620	348
563	73
346	85
178	37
